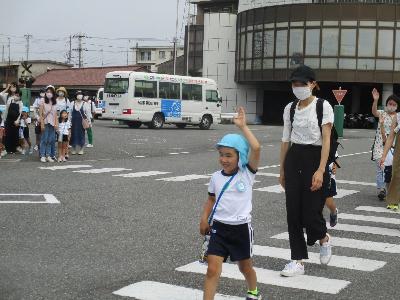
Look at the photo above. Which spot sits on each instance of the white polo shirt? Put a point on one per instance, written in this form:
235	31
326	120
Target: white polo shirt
235	205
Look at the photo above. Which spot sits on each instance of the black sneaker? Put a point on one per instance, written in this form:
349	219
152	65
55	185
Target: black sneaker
333	217
382	195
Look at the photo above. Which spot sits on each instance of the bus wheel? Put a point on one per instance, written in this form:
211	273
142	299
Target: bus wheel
134	124
180	125
157	122
205	123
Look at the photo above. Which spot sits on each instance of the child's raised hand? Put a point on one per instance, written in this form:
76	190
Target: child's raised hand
240	119
375	94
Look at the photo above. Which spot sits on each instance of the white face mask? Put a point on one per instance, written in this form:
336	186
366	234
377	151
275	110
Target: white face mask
49	95
86	98
390	108
61	94
42	95
79	97
302	92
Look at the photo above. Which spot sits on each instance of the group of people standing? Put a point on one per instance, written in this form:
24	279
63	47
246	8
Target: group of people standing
60	124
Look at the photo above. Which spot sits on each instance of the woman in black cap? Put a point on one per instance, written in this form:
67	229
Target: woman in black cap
78	112
303	172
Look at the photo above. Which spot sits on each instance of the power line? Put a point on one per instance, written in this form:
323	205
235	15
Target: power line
80	48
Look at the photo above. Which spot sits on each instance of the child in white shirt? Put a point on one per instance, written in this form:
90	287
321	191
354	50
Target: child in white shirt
64	133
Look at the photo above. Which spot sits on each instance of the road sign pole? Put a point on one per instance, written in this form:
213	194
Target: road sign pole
339	119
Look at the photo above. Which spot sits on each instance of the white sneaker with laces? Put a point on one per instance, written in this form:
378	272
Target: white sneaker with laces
49	159
89	146
292	269
43	159
80	152
325	251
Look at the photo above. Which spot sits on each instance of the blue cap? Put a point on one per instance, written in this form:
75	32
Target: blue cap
25	109
239	143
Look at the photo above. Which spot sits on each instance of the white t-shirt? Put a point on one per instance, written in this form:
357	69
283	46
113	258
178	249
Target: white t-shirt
25	124
63	104
64	127
305	124
235	205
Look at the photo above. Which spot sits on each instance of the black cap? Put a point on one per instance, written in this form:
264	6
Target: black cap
78	92
303	74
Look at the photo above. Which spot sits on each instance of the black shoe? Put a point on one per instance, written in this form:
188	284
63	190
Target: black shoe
333	217
382	195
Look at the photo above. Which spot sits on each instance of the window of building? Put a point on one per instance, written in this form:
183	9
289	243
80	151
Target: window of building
366	64
257	64
268	64
281	63
249	45
330	42
281	42
161	54
192	92
242	45
269	42
146	89
384	64
348	42
385	43
312	41
145	55
329	63
211	96
312	62
258	44
366	42
397	48
169	90
296	42
348	63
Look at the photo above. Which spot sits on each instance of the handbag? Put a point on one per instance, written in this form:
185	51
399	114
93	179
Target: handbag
85	122
206	241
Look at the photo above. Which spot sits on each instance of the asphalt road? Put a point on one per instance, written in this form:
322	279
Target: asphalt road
108	232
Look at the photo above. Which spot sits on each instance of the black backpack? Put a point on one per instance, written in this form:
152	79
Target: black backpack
334	144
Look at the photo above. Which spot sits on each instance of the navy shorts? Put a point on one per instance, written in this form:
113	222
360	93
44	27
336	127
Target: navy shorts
388	174
331	189
233	241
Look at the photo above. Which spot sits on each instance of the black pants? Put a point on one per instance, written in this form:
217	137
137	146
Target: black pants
304	207
11	140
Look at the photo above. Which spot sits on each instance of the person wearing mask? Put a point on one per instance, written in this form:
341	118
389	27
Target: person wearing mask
49	125
79	111
11	117
304	171
63	102
386	119
92	108
36	108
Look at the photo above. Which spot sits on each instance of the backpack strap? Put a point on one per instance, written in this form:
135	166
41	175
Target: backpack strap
320	112
293	111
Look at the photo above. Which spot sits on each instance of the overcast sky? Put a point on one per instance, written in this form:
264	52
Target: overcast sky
51	22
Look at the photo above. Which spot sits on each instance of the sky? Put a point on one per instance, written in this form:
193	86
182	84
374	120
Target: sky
110	27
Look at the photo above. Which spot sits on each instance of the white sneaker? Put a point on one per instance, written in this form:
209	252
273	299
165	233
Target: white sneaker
19	149
3	153
43	159
80	152
23	152
325	251
49	159
292	269
89	146
36	148
73	152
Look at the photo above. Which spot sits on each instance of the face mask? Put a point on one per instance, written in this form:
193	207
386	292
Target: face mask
61	94
86	98
79	97
49	95
42	95
13	90
302	92
17	98
390	108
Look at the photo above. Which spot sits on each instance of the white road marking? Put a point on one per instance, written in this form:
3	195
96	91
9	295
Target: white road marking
173	153
366	229
185	177
268	174
343	193
10	160
373	219
65	167
150	290
272	189
268	167
139	156
377	209
141	174
265	276
185	152
48	199
356	182
102	170
353	154
354	244
346	262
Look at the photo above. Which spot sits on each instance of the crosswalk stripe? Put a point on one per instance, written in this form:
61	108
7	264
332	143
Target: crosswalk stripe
373	219
278	190
185	178
141	174
354	244
102	170
366	229
345	262
376	209
151	290
271	277
65	167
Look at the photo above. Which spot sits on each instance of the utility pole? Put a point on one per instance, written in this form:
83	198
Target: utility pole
2	54
80	48
188	41
9	59
102	58
127	53
27	36
176	34
69	58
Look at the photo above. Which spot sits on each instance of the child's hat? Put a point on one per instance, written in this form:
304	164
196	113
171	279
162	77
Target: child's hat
239	143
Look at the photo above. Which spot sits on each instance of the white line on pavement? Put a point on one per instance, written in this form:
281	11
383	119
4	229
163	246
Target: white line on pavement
272	189
366	229
354	244
150	290
265	276
353	154
173	153
356	182
370	218
48	199
102	170
376	209
185	178
65	167
139	156
346	262
141	174
269	167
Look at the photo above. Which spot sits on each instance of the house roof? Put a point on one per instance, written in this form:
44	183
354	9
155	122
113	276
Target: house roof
81	76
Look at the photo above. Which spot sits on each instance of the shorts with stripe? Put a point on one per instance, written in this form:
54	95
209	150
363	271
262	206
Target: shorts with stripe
233	241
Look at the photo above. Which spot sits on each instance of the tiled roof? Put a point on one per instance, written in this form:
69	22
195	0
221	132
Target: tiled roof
80	77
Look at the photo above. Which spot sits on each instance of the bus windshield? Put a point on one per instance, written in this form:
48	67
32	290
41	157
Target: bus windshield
116	85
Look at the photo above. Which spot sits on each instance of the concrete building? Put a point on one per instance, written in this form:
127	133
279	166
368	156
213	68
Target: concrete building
250	48
150	56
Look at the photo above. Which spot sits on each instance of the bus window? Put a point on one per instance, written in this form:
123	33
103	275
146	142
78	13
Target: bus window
146	89
116	85
192	92
101	95
169	90
211	96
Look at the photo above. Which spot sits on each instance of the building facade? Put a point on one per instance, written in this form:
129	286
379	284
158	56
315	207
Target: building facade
152	56
251	52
